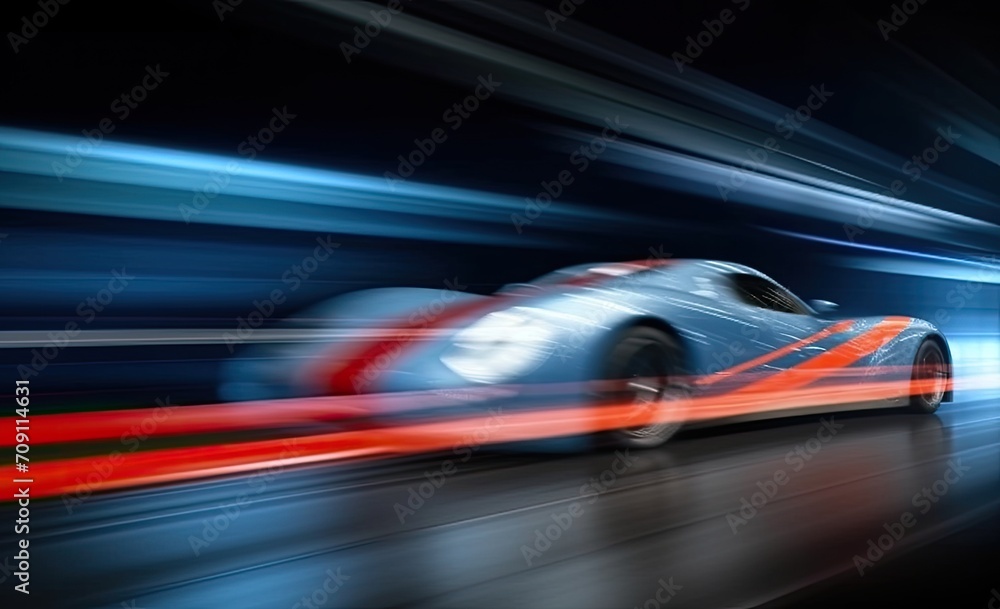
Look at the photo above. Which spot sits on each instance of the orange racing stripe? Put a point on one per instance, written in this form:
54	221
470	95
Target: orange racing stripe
185	420
76	478
836	328
841	356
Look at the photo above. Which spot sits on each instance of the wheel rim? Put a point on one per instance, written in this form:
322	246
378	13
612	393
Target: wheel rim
646	377
932	368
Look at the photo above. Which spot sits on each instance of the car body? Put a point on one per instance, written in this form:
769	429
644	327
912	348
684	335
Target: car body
709	329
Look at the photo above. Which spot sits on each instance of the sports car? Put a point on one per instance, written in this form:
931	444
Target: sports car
683	341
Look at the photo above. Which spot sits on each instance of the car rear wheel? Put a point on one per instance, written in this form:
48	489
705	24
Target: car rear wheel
931	368
642	369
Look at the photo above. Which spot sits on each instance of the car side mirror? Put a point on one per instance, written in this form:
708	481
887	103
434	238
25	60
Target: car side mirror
823	306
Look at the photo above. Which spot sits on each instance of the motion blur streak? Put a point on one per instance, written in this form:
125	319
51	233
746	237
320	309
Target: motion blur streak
55	477
947	267
132	181
823	173
195	336
86	426
320	411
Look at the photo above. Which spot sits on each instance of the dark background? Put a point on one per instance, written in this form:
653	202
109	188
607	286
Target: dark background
226	76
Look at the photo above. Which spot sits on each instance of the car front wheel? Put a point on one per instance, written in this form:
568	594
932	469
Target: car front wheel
642	369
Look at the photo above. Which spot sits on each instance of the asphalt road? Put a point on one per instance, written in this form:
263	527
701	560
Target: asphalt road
661	527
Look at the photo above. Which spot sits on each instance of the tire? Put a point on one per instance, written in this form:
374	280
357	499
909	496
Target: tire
929	363
646	361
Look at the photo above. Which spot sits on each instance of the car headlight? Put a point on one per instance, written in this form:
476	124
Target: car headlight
500	346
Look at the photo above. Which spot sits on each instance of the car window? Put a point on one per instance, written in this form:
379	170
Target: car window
760	292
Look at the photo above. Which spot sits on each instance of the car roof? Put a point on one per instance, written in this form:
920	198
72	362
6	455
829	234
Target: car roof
720	266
